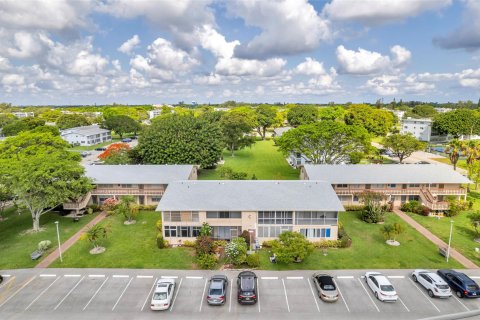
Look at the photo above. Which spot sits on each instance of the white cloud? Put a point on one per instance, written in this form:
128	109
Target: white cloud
13	80
375	12
469	78
164	55
387	85
383	85
310	67
211	40
130	44
25	45
4	64
211	79
288	27
243	67
364	62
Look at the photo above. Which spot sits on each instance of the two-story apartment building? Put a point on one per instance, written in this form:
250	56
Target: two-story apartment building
264	208
429	183
419	128
86	136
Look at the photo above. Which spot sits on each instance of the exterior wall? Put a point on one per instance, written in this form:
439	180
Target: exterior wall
143	194
87	140
297	160
303	174
421	129
194	174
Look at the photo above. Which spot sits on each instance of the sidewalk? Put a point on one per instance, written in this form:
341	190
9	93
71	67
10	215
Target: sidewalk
433	238
67	244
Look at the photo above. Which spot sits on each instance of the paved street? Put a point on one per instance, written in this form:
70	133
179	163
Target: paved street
125	294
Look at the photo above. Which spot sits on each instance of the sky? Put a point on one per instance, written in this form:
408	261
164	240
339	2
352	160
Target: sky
67	52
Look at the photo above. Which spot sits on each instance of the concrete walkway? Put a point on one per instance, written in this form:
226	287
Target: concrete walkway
433	238
67	244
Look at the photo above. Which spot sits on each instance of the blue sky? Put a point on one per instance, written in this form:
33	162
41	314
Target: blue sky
64	52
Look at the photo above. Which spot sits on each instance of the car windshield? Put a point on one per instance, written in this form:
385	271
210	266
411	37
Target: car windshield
386	288
160	296
328	287
215	292
442	286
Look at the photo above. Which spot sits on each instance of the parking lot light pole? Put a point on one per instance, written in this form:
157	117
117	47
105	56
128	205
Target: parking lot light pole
449	240
58	238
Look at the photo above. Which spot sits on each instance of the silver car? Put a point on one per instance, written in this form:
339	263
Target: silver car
217	290
326	288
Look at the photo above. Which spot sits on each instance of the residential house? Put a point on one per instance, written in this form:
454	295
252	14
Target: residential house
86	136
264	208
21	115
428	183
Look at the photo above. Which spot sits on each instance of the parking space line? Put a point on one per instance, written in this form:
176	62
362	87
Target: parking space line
203	295
15	293
231	289
149	293
96	292
433	304
475	277
376	307
144	277
286	297
48	275
71	275
58	305
345	277
123	292
294	278
7	282
176	294
6	275
120	276
341	295
258	297
191	277
96	275
41	293
313	294
453	295
169	277
408	310
396	277
269	278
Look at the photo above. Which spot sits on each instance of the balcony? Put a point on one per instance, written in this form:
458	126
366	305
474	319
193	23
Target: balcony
77	205
396	191
127	191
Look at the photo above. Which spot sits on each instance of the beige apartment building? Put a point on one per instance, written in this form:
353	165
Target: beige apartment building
428	183
264	208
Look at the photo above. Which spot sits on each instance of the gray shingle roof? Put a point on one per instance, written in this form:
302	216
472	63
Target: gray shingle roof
280	131
257	195
384	173
86	130
138	174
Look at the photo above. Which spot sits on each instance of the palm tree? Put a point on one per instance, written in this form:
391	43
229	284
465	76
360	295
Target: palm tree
96	233
471	150
453	150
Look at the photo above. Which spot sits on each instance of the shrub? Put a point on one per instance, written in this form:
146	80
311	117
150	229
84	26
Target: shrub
188	243
207	261
253	260
327	244
236	251
206	230
44	245
109	204
219	243
413	206
267	243
345	242
246	235
94	207
291	247
158	225
160	241
456	206
354	207
374	211
204	245
147	207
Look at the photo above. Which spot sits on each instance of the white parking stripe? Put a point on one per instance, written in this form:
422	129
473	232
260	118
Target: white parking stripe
149	293
345	277
286	297
48	275
96	292
6	275
41	293
120	276
475	277
96	275
144	277
413	283
369	295
341	295
176	294
58	305
408	310
230	300
313	294
203	295
189	277
453	295
269	278
294	278
71	276
15	293
258	297
123	292
7	282
396	277
169	277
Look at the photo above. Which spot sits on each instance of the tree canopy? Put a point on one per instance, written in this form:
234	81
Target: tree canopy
176	139
121	124
67	121
303	114
458	122
331	113
402	145
291	247
266	117
325	142
116	153
375	121
236	127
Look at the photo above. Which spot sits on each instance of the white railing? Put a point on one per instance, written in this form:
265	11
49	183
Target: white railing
78	204
125	191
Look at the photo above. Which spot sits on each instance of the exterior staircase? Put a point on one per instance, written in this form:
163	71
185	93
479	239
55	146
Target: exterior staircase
81	203
431	202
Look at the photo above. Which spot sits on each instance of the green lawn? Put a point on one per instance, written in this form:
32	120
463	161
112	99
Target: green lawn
90	148
462	163
263	159
369	250
16	245
131	246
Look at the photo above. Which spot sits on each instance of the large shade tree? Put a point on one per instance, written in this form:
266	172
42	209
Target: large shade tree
121	124
376	121
458	122
41	173
67	121
303	114
266	117
402	145
328	142
237	126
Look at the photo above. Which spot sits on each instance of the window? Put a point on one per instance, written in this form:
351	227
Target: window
184	231
316	233
315	217
170	231
272	231
181	231
156	199
275	217
414	185
392	185
342	186
224	215
176	216
378	186
126	185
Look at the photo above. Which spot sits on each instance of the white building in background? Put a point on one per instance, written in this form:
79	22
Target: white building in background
443	110
154	113
21	115
86	136
419	128
398	113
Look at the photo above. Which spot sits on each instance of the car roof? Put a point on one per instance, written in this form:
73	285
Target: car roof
216	284
435	277
325	278
381	279
464	277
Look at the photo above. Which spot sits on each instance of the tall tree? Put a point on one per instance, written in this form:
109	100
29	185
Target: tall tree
471	151
67	121
331	113
303	114
422	111
236	127
454	149
41	172
265	118
458	122
402	145
176	139
376	121
121	124
116	153
328	142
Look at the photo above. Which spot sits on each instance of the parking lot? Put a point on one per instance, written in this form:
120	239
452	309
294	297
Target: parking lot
125	294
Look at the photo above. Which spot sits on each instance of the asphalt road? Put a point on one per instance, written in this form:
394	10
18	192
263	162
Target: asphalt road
125	294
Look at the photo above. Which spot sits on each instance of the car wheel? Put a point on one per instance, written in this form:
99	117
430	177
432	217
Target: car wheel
414	277
459	294
430	293
376	295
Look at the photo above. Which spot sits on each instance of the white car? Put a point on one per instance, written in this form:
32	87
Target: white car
381	287
433	283
163	294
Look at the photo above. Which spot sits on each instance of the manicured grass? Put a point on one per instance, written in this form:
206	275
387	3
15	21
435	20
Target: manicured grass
90	148
369	250
16	245
263	159
462	163
132	246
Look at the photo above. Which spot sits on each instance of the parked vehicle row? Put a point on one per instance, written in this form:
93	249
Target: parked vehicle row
440	284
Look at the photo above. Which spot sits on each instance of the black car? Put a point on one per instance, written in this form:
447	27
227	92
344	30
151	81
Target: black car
460	283
101	149
247	287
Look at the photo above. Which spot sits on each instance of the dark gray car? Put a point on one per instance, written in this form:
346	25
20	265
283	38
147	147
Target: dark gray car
217	290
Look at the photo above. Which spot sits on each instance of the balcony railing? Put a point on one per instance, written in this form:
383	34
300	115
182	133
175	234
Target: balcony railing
82	203
408	191
127	191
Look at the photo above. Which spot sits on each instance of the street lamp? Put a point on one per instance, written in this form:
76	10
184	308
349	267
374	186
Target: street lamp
449	239
58	238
